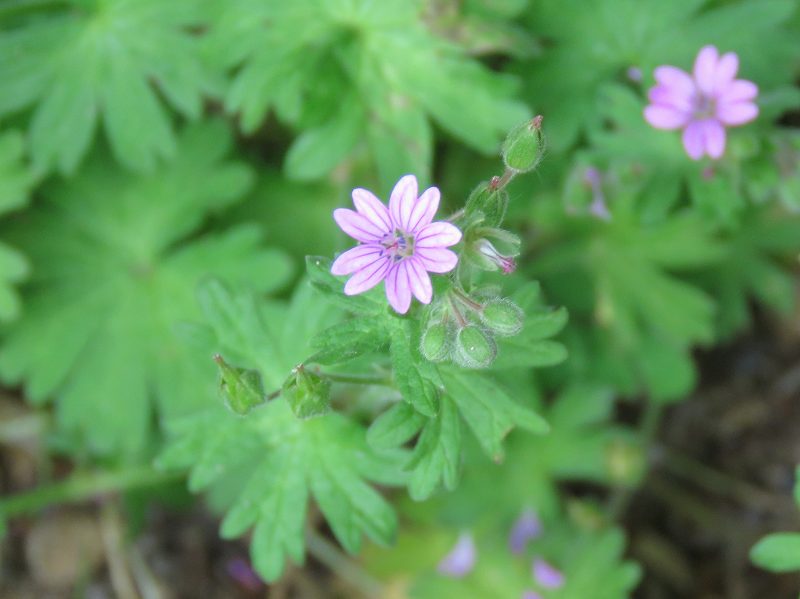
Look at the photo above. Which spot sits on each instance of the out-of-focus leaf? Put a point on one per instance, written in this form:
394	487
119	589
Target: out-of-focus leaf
114	275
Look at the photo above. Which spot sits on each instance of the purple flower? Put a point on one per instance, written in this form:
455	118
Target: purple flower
531	595
399	245
526	528
546	575
461	559
704	103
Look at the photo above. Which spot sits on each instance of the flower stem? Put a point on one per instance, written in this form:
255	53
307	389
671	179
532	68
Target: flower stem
357	379
83	486
326	553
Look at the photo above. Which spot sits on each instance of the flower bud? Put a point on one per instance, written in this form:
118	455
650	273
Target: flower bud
503	317
491	200
308	393
240	388
474	348
435	343
486	256
524	146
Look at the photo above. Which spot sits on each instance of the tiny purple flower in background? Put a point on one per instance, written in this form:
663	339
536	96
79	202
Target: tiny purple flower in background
399	245
240	570
526	528
546	575
531	595
704	103
461	559
598	207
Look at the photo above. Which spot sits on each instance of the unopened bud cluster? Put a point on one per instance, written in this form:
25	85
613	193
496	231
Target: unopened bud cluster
462	328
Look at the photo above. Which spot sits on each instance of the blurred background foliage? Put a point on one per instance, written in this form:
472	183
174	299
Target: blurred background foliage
147	146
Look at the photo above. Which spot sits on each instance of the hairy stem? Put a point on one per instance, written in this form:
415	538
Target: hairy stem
358	379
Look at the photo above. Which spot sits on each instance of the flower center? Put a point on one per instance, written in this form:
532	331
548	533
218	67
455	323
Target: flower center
704	107
398	245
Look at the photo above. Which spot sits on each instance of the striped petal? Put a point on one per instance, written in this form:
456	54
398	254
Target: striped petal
436	260
438	234
402	201
398	288
356	258
366	278
419	280
357	226
372	208
424	210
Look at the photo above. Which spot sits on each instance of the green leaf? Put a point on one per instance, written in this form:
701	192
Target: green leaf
411	370
488	410
282	460
345	72
395	426
530	348
319	272
116	261
437	454
778	552
349	339
120	61
15	183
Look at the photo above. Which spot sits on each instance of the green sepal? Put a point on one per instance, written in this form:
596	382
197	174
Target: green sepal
307	393
241	388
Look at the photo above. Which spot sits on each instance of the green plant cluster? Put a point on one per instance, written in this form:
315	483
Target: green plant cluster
168	172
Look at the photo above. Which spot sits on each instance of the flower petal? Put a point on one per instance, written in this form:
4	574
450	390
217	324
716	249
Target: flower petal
726	70
357	226
419	280
461	559
357	258
367	204
739	90
402	201
677	79
398	288
693	140
665	117
714	134
436	260
546	575
705	68
424	209
737	113
438	234
671	97
369	276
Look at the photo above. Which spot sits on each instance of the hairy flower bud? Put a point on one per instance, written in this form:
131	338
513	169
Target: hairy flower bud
240	388
436	342
474	348
483	254
491	200
308	393
503	317
524	146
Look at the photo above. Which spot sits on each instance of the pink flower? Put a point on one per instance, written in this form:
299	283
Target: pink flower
399	245
704	103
